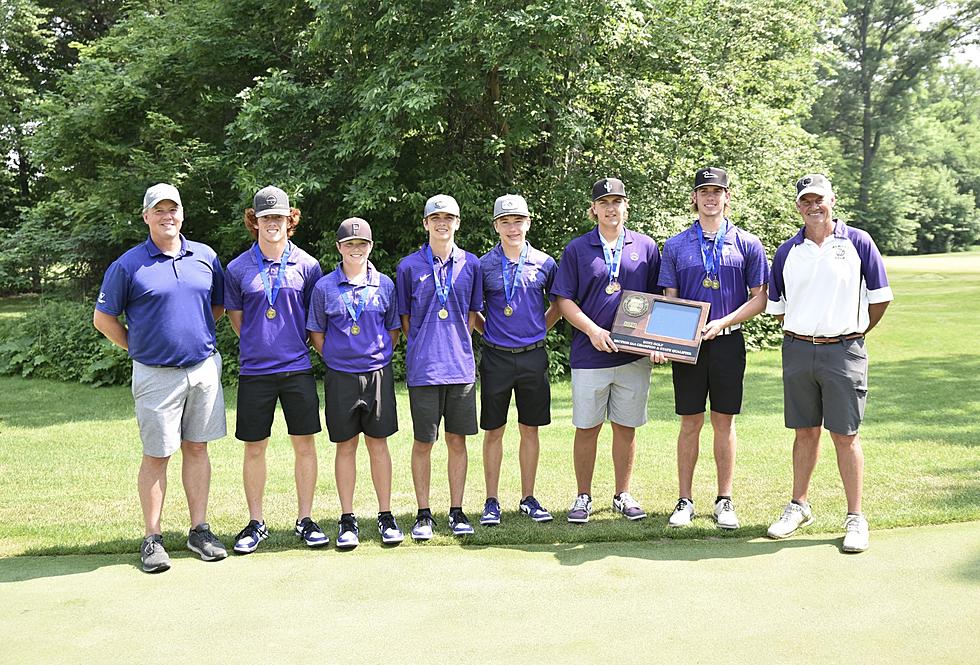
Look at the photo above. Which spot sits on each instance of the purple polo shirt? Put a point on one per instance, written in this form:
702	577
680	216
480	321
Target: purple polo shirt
439	351
526	325
371	349
743	267
269	346
167	301
583	277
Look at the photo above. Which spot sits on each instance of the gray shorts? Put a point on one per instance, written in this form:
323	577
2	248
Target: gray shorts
175	404
430	404
825	384
619	393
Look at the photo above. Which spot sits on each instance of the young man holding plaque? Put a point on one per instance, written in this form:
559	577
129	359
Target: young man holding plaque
172	291
440	292
713	261
606	382
517	279
829	289
353	324
267	294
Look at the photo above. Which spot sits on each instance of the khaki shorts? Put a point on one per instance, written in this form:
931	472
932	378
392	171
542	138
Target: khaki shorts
175	404
617	393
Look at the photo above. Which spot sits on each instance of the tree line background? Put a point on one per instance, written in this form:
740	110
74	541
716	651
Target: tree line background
367	108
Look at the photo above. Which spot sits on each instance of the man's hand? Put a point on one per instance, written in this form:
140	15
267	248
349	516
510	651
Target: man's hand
712	329
601	340
657	357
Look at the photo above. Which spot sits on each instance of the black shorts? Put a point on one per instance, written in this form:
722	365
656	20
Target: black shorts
360	403
719	372
526	375
257	397
430	404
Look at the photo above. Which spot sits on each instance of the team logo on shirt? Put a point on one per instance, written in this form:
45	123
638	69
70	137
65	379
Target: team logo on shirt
839	253
101	300
634	256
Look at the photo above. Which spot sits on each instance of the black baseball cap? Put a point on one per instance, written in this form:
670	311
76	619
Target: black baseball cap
608	187
354	228
711	176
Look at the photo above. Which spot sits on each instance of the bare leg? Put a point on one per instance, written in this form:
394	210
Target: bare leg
623	452
723	425
850	462
345	469
688	447
253	476
806	450
195	472
528	454
493	454
421	471
380	470
585	446
152	486
305	469
456	466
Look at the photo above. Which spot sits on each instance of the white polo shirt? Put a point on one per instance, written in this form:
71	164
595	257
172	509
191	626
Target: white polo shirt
824	290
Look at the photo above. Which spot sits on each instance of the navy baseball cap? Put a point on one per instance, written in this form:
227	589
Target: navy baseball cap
608	187
354	228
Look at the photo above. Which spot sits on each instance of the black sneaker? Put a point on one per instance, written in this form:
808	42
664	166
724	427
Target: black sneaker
459	524
388	528
155	559
347	533
311	533
205	544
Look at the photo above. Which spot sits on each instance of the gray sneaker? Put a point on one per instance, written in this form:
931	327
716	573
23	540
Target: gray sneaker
152	554
205	544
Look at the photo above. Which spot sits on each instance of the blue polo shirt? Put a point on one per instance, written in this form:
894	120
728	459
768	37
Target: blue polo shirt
269	346
439	351
526	325
743	267
371	349
583	277
167	301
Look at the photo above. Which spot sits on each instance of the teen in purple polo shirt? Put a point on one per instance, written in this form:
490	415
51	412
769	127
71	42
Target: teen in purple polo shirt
171	291
354	325
829	289
713	261
516	317
594	270
267	294
440	291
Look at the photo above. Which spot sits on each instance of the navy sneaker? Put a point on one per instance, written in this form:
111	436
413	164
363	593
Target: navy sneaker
311	533
459	524
248	539
424	527
534	510
388	528
491	512
347	533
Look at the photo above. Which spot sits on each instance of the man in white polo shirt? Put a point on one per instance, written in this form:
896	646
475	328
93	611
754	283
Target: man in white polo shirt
828	287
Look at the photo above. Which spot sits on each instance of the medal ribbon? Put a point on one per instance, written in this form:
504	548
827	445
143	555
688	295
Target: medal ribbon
442	290
349	298
711	249
613	256
271	291
512	287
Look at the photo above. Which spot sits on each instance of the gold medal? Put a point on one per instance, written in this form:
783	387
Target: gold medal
715	284
270	313
707	283
612	288
443	313
355	329
508	310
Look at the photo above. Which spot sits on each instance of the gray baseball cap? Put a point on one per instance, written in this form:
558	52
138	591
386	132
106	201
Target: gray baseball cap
354	228
441	203
510	204
270	201
160	192
814	183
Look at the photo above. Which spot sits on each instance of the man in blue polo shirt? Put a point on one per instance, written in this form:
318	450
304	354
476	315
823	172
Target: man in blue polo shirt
172	292
440	292
606	382
828	287
516	317
713	261
267	294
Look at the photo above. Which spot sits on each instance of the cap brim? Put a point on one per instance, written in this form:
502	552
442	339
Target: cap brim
349	238
814	190
710	184
274	211
157	200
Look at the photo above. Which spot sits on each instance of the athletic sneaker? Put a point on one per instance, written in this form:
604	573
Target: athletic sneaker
725	517
491	512
155	559
424	527
249	538
580	510
388	528
534	510
856	534
628	506
794	516
459	524
311	533
683	513
205	544
347	533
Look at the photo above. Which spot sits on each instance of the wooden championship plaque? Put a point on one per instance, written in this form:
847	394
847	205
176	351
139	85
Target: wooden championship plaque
645	323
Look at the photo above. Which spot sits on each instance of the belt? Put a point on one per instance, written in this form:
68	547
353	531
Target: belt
730	329
837	339
519	349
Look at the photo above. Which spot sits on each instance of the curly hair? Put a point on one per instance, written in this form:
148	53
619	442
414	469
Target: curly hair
252	222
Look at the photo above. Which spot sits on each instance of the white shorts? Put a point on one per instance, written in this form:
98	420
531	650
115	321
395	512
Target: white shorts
619	393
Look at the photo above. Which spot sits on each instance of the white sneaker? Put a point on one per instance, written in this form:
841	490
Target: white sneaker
794	516
725	517
855	533
683	513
